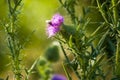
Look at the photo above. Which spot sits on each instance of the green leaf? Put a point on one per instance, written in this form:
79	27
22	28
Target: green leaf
70	41
86	23
99	27
101	41
93	68
67	31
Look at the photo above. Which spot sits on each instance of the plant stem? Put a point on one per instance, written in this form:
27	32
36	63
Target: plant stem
66	72
13	43
31	68
75	71
117	56
101	11
117	66
115	14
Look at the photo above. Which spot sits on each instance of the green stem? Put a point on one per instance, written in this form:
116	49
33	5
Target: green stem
75	71
115	14
101	11
15	58
115	18
31	68
66	72
12	42
117	67
17	69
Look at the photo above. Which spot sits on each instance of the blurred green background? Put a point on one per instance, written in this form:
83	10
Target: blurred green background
32	17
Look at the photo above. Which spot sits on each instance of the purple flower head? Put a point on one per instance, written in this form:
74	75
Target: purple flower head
57	20
58	77
54	25
51	31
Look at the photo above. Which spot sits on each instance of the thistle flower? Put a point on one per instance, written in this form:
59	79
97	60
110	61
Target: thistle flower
57	20
51	30
58	77
53	25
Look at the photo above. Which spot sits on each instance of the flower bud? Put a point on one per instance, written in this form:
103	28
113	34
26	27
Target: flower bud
53	25
52	54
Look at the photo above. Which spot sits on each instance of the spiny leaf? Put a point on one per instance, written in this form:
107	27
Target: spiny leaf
102	39
86	23
96	64
99	27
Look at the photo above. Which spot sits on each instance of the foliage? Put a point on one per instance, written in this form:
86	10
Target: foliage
95	54
91	57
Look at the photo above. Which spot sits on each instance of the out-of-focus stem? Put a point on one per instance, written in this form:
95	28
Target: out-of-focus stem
75	71
12	42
